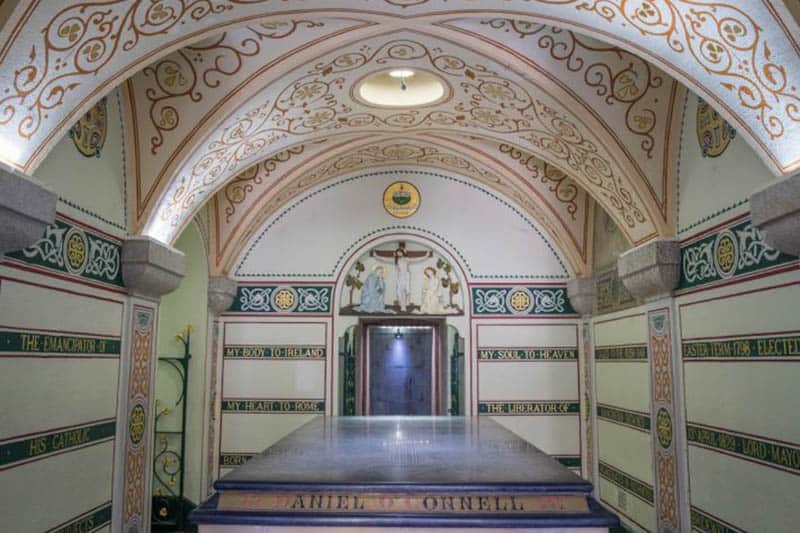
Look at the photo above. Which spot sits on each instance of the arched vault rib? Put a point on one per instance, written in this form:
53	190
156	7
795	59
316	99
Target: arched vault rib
174	102
489	100
238	211
58	58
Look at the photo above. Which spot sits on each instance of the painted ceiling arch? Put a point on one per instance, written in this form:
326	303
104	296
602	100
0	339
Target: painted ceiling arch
489	99
557	203
58	58
635	103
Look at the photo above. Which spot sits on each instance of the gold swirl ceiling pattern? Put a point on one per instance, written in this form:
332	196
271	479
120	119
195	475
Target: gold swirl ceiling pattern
486	103
60	57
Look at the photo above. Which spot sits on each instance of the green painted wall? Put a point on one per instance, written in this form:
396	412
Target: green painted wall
188	305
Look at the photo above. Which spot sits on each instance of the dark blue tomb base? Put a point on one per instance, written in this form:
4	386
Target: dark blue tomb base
412	456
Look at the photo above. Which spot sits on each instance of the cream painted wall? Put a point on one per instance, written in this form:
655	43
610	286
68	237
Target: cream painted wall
740	337
59	388
91	187
491	236
623	407
713	189
551	380
187	305
739	343
317	238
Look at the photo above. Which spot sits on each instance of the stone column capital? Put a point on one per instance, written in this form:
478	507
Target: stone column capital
775	211
151	268
581	295
221	292
27	207
651	270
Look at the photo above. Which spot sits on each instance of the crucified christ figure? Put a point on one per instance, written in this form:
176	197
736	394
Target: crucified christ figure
401	258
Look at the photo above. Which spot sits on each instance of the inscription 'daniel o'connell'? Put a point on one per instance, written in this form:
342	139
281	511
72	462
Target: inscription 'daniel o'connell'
323	502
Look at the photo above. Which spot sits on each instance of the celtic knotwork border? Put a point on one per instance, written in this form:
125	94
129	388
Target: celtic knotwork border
75	251
745	252
138	401
300	299
497	300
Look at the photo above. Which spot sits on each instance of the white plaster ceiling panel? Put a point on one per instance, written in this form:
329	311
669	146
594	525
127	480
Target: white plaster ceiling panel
58	58
311	236
633	98
487	100
540	190
175	96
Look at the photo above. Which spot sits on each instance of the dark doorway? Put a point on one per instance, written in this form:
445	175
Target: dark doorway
400	371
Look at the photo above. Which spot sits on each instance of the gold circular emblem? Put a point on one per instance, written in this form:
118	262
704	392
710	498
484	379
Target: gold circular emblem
713	132
89	133
726	254
520	301
75	251
136	424
401	199
284	299
664	428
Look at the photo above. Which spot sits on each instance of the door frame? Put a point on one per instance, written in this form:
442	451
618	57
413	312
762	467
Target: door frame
438	364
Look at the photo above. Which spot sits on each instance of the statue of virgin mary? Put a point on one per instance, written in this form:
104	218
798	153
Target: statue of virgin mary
372	293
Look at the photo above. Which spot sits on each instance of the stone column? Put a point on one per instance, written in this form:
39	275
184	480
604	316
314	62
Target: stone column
651	272
26	208
150	269
775	211
581	295
221	292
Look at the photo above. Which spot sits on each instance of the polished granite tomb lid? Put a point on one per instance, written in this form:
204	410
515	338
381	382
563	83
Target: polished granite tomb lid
399	453
403	472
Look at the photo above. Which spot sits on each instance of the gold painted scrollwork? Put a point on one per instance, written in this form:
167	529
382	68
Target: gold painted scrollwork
189	71
723	40
565	190
717	37
238	189
317	102
618	76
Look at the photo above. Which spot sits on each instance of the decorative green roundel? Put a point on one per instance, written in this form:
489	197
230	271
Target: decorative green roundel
664	428
136	424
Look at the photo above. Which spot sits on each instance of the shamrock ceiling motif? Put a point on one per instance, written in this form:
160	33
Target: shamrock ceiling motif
317	101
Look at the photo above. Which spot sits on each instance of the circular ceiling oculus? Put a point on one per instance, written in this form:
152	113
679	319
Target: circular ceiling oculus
401	88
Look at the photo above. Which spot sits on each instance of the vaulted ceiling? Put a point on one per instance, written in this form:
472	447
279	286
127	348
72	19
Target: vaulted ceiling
555	104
